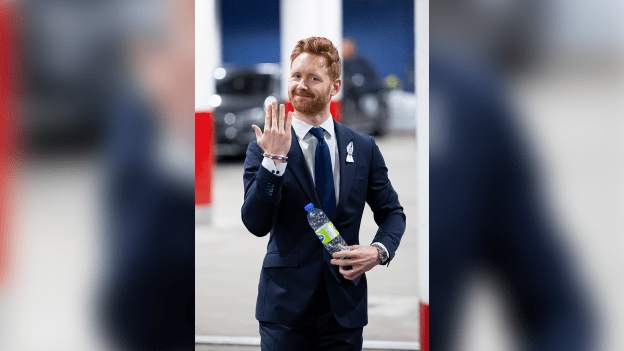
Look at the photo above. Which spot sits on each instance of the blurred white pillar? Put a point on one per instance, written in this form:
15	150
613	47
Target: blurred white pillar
207	60
421	29
300	19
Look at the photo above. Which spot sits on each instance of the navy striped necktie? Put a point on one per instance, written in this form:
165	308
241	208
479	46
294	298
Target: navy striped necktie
323	175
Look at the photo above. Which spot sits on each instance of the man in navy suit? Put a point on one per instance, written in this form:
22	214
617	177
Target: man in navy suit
307	299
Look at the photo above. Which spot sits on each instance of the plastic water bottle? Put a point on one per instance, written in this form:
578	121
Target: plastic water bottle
325	230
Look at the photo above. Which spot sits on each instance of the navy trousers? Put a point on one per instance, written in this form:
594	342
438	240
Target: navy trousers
321	332
325	334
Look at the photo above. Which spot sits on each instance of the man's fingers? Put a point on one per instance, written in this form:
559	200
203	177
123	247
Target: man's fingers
340	254
267	118
274	116
348	274
258	131
289	122
340	262
282	114
348	269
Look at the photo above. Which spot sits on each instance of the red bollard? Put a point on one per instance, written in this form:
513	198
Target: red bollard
204	157
424	327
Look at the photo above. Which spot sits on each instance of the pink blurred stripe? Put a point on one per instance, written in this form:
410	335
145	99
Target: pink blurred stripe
8	78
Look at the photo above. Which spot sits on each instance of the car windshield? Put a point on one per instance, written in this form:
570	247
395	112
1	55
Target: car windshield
245	84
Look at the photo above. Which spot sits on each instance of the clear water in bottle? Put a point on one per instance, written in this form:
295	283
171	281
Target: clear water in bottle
325	230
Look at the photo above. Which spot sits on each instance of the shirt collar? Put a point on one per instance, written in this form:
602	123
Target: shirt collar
302	128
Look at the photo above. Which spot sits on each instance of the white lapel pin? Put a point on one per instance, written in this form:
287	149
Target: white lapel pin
350	153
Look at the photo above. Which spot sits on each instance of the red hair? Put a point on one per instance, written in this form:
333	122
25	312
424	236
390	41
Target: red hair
322	47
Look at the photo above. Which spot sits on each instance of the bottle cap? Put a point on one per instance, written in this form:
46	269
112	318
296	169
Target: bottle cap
309	206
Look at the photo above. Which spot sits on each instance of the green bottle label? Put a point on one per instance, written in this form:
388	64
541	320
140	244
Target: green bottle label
327	233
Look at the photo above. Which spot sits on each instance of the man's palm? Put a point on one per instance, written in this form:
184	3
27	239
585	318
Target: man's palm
277	136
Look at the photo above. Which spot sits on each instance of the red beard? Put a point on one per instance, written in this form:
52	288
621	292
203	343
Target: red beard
311	104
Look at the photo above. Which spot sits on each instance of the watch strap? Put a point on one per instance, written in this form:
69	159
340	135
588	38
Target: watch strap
383	253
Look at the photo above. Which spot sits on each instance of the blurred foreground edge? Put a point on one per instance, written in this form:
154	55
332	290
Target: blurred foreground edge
8	113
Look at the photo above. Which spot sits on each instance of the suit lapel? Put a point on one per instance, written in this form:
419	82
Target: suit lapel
347	170
299	168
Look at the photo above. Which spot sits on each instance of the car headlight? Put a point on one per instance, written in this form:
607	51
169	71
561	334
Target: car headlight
229	118
370	105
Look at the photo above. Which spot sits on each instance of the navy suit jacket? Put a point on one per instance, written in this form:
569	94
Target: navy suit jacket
296	263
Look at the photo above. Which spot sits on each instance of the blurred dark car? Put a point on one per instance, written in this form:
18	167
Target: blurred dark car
243	94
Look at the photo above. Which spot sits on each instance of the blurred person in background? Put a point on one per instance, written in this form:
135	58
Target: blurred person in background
64	68
107	114
489	217
148	300
307	298
365	107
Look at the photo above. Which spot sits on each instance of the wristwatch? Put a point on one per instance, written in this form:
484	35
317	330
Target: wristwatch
383	254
